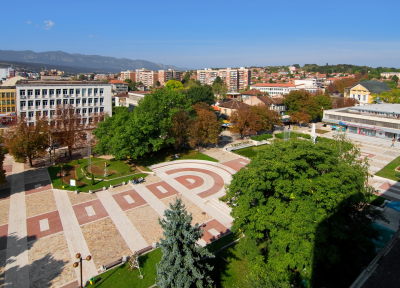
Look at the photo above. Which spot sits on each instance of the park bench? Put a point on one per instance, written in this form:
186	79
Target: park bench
119	261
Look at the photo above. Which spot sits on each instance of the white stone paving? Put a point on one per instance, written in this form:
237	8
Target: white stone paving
73	234
151	199
125	227
17	265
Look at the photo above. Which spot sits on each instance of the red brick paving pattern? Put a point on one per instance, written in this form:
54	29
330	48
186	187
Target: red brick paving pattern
33	225
207	236
235	164
82	215
119	198
183	180
218	181
153	189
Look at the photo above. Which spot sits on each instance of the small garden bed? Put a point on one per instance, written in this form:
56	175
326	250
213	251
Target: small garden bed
73	170
262	137
390	170
250	152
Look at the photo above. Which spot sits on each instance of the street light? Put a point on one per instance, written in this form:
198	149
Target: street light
76	264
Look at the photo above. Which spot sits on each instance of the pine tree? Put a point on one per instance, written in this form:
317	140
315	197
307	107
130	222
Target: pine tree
181	264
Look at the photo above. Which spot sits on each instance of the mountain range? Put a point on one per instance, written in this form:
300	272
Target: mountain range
93	62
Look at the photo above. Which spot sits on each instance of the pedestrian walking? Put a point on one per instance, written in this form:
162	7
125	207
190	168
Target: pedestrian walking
393	140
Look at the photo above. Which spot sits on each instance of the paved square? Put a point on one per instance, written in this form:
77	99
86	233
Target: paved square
89	211
190	181
34	228
131	196
159	194
213	230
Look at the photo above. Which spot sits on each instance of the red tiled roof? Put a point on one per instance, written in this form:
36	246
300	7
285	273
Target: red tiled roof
118	82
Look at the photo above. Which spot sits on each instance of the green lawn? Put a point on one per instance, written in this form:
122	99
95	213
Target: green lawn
227	274
167	154
116	168
389	170
250	152
376	200
85	183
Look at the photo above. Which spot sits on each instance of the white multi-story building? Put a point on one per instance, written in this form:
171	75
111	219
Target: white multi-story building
281	88
41	98
390	74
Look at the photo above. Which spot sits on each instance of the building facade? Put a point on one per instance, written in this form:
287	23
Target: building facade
274	89
363	91
40	98
390	74
235	79
376	120
147	77
129	74
8	99
165	75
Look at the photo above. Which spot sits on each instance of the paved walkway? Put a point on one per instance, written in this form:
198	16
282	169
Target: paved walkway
42	229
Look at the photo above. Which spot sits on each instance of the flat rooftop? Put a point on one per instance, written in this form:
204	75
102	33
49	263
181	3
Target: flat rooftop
61	82
379	108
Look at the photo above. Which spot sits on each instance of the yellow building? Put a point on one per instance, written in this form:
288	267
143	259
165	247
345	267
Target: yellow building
7	99
362	91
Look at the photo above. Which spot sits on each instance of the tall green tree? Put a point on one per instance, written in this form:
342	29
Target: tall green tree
200	94
181	265
173	85
304	210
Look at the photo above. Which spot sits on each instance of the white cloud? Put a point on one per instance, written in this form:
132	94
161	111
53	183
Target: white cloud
28	22
91	36
49	24
36	25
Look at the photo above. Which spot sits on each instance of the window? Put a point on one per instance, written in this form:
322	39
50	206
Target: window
96	90
3	95
12	109
52	102
45	113
90	100
37	92
21	93
3	102
30	103
71	101
101	109
8	102
71	91
96	110
30	92
83	91
101	91
90	110
30	114
8	95
8	109
77	91
45	102
52	113
12	102
96	101
44	92
101	101
84	101
4	110
65	101
58	92
84	110
78	101
65	91
59	102
90	91
37	103
22	103
364	97
51	92
78	111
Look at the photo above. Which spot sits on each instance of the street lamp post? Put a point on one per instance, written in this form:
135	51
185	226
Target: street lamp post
76	264
50	153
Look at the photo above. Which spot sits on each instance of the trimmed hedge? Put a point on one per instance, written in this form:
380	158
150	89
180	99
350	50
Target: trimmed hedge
262	137
293	135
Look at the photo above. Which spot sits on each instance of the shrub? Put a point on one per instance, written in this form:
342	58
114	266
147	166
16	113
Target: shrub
397	174
293	135
262	137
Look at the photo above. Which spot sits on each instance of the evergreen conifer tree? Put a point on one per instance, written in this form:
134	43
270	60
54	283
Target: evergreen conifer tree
181	264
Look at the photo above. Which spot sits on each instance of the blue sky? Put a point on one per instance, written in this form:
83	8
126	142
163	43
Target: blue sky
199	34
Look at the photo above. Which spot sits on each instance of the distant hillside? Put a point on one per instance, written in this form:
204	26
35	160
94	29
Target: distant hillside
93	62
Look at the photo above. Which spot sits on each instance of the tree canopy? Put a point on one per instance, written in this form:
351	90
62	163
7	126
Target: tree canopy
303	209
174	85
181	264
200	94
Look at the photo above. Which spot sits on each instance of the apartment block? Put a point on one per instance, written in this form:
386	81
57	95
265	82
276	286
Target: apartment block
235	79
129	74
165	75
8	101
147	77
41	98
